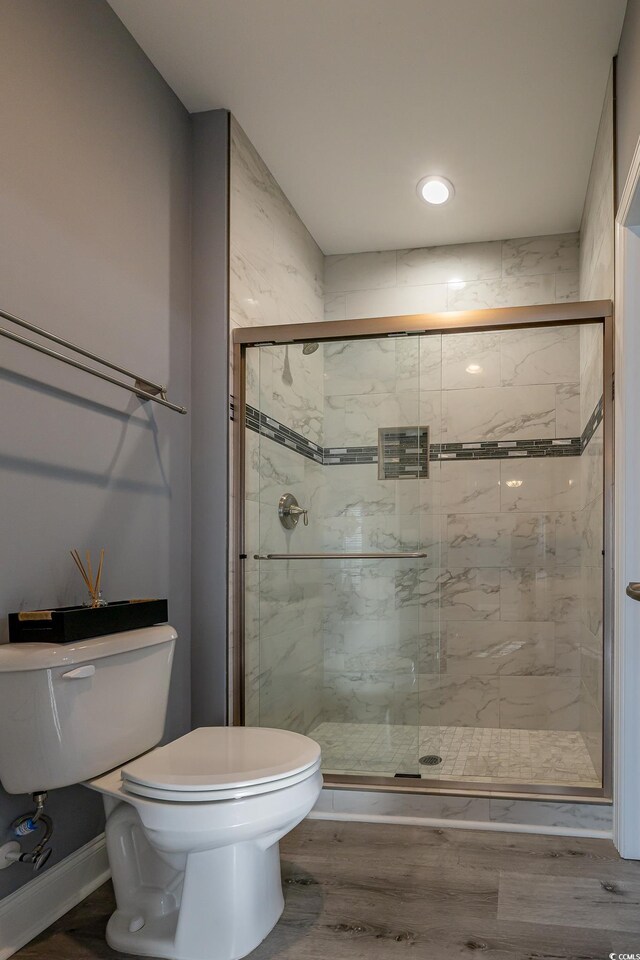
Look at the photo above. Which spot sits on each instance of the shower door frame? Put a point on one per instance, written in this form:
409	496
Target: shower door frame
472	321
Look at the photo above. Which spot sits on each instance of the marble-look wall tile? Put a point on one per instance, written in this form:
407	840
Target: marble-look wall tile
403	805
510	540
290	597
568	410
360	271
459	701
429	361
499	413
465	593
272	469
543	355
504	292
593	581
531	256
282	652
591	374
363	366
593	532
568	644
396	301
591	667
252	300
252	374
597	228
567	286
581	816
569	816
383	534
291	701
498	647
379	645
590	818
276	273
591	727
470	486
290	389
367	590
419	589
568	546
455	277
540	594
539	703
535	486
592	467
276	266
368	697
354	420
354	490
324	803
335	307
446	264
471	360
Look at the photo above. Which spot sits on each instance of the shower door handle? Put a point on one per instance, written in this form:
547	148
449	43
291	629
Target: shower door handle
633	590
340	556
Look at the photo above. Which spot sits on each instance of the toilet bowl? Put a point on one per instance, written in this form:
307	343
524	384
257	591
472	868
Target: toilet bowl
192	838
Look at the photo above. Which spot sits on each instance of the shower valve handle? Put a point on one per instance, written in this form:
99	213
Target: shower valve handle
299	512
290	511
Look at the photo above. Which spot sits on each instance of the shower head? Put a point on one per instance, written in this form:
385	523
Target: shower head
310	348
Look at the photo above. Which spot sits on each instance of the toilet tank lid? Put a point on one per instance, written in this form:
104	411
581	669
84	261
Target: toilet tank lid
17	657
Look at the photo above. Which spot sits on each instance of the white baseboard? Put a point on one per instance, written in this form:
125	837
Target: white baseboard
31	909
452	824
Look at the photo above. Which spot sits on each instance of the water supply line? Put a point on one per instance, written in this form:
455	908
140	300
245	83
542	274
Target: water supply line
24	826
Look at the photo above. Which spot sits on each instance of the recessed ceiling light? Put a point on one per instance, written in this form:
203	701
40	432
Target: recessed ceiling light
474	368
435	190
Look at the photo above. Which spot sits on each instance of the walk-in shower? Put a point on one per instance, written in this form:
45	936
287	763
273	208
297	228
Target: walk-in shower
421	514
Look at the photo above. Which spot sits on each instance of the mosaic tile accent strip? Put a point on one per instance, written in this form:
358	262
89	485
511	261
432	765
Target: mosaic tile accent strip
593	423
406	459
478	754
504	449
350	455
268	427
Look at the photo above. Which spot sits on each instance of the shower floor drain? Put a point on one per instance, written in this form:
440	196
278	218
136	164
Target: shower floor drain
430	760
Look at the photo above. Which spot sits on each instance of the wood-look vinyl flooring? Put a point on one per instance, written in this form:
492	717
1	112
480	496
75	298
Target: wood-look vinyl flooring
357	891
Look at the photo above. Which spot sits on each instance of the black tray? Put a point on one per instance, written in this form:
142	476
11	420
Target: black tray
70	624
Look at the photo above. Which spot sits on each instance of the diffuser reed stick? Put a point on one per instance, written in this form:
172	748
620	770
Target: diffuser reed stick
93	586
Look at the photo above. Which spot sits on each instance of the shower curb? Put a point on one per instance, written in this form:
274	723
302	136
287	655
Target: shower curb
442	824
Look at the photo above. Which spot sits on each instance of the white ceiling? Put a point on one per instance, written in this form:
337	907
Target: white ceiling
351	102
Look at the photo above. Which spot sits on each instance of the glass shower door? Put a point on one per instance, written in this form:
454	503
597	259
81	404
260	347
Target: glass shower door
424	531
342	609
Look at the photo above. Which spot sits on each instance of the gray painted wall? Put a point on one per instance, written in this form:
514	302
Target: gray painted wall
95	245
210	421
627	94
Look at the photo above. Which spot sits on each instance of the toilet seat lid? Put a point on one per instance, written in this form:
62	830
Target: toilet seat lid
220	758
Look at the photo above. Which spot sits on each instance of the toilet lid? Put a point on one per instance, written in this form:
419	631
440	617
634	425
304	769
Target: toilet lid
222	759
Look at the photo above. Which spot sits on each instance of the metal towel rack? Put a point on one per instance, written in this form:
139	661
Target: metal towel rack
142	387
340	556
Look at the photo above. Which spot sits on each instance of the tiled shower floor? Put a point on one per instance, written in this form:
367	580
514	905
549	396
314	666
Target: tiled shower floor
481	754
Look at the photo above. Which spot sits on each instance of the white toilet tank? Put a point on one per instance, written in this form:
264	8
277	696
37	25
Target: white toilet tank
71	712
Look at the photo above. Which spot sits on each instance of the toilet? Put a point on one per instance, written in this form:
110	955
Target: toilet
193	826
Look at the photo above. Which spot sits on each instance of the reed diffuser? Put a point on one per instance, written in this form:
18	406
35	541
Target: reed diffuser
93	586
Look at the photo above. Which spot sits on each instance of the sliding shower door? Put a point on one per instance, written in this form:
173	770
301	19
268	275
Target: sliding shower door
424	539
343	543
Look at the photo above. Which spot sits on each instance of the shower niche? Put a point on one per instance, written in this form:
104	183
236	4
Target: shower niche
441	619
